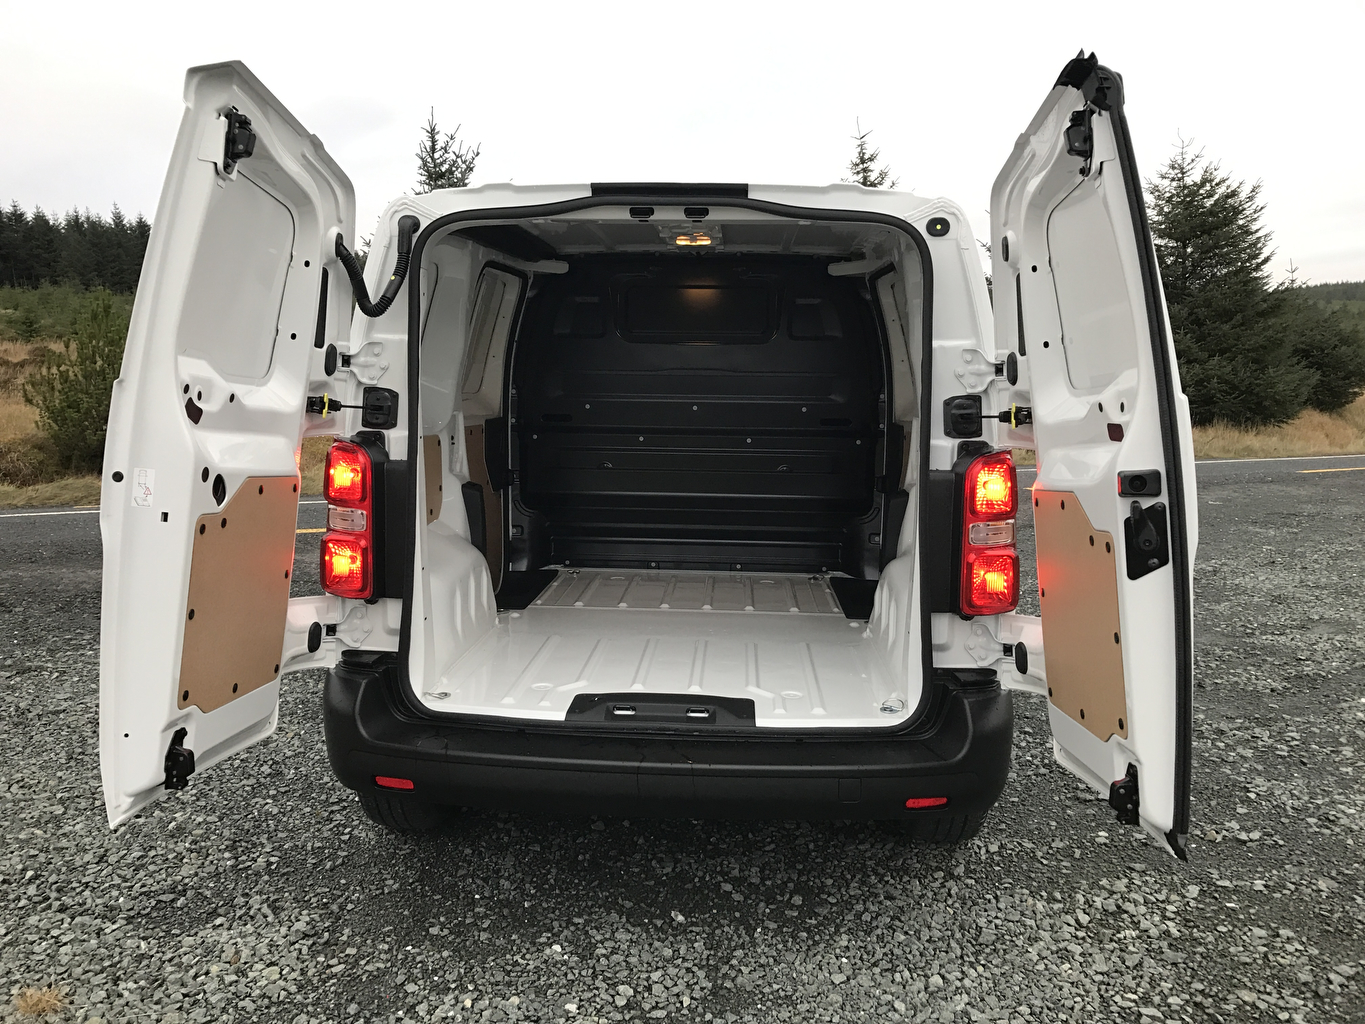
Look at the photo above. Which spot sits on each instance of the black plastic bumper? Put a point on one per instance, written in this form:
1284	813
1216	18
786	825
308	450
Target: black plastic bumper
963	754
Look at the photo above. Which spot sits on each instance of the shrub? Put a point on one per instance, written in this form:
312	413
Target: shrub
71	390
31	459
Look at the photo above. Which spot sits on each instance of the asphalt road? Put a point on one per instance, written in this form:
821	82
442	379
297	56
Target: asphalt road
261	893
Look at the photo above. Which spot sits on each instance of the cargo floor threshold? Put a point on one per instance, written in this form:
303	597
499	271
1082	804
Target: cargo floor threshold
781	641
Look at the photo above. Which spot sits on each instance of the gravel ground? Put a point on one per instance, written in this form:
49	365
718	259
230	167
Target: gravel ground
262	894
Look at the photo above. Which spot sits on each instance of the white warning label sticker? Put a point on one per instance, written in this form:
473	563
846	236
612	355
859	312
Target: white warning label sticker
144	481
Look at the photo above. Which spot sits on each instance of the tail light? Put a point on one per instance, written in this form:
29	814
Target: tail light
989	579
348	548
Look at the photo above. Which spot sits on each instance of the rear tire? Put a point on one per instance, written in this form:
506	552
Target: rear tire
403	815
940	829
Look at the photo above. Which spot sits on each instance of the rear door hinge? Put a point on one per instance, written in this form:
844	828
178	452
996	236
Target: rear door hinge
1123	796
240	142
179	761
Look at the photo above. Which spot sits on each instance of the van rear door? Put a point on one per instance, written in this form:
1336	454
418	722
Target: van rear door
201	486
1078	301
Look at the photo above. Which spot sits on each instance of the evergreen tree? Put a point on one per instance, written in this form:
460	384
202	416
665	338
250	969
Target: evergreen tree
1326	342
1249	352
82	249
863	167
443	161
71	392
1235	363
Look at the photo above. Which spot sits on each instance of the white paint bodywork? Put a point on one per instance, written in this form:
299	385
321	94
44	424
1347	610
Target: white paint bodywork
778	640
227	270
223	288
1075	249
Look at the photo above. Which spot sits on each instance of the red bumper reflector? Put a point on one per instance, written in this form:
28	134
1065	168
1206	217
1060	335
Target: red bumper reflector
919	803
389	782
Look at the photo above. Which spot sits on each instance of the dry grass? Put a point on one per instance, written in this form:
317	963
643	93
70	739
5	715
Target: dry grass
311	463
17	418
39	1002
74	490
1309	433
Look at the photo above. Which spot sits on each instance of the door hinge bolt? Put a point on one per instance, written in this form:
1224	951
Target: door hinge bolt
179	761
1123	796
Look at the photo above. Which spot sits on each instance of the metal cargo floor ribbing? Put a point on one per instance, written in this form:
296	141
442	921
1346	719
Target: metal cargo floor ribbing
781	641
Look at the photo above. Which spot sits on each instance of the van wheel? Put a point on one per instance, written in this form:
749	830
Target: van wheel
940	829
402	815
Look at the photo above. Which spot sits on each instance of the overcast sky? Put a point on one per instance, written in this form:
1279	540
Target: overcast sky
90	94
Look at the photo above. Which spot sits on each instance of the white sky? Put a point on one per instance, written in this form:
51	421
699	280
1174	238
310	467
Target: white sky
90	94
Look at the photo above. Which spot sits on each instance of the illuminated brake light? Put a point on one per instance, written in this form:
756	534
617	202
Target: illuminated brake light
992	489
992	579
346	477
919	803
389	782
988	581
347	569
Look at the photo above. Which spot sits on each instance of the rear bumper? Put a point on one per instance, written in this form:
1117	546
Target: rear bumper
963	754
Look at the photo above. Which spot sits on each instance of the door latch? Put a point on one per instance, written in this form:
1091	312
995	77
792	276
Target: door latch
179	761
1080	137
240	142
1123	796
1146	536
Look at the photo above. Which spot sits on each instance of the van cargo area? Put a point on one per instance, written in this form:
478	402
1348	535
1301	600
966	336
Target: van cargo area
688	465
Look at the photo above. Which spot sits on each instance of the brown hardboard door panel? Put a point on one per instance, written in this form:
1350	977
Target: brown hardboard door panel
1079	594
240	566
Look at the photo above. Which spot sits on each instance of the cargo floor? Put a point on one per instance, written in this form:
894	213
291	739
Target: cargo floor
781	641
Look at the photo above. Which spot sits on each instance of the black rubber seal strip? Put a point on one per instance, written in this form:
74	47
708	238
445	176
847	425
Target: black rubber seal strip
1170	444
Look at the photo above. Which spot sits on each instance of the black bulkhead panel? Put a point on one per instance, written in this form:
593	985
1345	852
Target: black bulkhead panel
698	413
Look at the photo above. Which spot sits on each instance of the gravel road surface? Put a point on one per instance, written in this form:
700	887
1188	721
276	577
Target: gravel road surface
261	893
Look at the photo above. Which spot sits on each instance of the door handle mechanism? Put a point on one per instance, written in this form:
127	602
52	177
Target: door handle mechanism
1146	533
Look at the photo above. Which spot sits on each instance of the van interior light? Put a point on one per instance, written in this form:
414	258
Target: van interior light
694	238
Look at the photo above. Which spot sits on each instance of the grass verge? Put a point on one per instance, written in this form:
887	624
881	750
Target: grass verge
1309	433
72	490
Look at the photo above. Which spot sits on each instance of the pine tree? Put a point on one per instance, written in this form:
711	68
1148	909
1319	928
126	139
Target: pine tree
81	248
863	167
1236	363
71	392
443	161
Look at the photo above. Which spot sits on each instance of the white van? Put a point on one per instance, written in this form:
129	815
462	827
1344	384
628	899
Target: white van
652	499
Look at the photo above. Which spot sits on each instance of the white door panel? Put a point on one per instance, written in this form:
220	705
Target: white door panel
200	491
1078	300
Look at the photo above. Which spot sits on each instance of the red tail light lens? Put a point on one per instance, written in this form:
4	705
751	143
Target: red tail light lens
346	478
992	487
989	580
389	782
347	565
919	803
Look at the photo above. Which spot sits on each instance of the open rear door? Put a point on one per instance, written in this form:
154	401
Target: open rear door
1078	300
200	488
